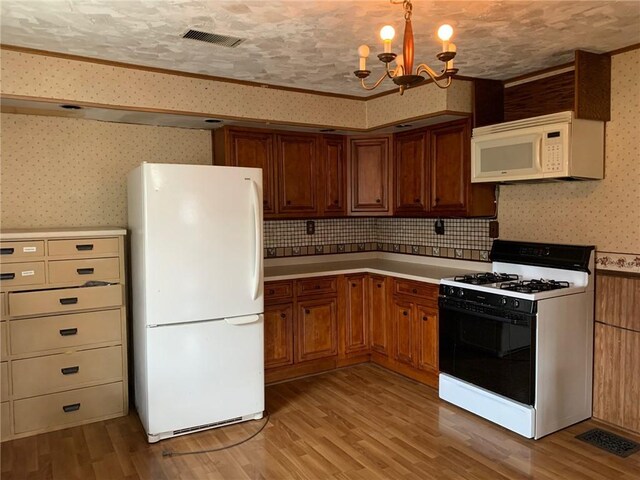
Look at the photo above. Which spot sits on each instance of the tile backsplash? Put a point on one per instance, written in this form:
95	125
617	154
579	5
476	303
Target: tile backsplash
463	238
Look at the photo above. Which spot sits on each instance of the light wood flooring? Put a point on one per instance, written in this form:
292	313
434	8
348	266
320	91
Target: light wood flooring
362	422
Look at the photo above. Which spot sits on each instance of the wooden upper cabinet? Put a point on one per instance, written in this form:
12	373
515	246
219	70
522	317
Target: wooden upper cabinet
411	155
297	174
370	176
332	181
450	166
249	148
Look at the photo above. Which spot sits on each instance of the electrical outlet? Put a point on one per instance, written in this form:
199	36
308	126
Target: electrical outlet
494	229
311	227
439	227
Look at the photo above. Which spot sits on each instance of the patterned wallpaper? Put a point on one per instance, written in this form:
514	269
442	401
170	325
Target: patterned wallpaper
62	172
604	213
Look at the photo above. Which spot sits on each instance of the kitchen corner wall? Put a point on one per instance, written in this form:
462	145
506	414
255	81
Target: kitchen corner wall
65	172
604	213
464	238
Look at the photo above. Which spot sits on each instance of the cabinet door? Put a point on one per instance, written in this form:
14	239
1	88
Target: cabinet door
356	323
316	335
411	173
255	149
297	174
403	332
378	312
370	176
450	166
427	320
333	178
278	335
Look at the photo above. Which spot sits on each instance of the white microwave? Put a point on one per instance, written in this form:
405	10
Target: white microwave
549	147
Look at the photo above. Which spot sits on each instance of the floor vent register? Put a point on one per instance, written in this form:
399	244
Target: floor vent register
623	447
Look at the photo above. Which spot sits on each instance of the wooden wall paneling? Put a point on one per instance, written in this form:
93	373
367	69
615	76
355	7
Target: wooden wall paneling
618	301
540	97
616	388
592	86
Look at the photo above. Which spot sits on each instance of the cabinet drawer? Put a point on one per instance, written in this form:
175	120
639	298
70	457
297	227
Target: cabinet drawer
21	251
4	381
53	373
4	344
75	406
84	247
19	274
317	286
65	331
278	290
5	421
425	291
65	271
64	300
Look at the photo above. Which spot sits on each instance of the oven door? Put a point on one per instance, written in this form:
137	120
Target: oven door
489	350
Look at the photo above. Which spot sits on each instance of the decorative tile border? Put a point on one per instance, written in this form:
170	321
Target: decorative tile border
619	262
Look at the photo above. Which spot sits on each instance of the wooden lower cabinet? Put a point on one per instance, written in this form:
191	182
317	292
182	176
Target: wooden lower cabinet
321	323
278	335
378	289
355	324
316	329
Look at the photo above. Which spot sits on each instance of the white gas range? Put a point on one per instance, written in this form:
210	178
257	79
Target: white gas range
516	346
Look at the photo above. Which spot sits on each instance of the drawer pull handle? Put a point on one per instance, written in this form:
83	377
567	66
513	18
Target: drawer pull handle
74	407
85	271
69	301
7	276
70	370
65	332
415	290
84	247
7	251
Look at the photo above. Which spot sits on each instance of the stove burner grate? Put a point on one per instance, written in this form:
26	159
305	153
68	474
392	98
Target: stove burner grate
534	286
485	278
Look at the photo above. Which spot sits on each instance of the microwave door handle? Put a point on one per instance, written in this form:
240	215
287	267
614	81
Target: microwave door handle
539	153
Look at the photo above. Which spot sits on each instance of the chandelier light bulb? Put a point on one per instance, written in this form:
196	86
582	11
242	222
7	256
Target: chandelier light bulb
363	51
445	32
387	33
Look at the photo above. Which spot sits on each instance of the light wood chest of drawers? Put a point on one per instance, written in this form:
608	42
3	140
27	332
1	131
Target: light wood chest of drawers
62	329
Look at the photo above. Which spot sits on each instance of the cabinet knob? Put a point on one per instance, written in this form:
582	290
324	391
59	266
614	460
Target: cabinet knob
307	311
271	291
283	315
264	202
379	286
425	318
416	200
405	313
336	202
378	200
288	202
415	290
317	287
437	200
354	284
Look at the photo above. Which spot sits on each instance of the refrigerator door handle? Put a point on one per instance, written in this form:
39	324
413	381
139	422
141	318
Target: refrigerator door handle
255	201
243	320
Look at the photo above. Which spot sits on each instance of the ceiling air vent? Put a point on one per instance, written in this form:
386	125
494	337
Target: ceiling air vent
221	40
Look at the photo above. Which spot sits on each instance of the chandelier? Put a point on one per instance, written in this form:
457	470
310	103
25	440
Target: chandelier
403	74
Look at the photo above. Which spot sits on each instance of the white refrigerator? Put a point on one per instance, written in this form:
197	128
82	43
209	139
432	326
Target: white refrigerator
197	296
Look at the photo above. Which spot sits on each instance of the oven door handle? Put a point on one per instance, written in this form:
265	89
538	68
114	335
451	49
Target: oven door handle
527	319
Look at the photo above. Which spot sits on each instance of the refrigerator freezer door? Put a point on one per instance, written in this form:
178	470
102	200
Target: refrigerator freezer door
203	373
203	242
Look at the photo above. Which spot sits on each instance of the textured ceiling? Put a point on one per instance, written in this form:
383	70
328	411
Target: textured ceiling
312	44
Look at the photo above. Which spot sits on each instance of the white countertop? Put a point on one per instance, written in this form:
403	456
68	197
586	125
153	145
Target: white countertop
411	267
38	233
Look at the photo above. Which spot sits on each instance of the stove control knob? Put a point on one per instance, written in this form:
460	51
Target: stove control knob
503	301
461	293
516	303
452	290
